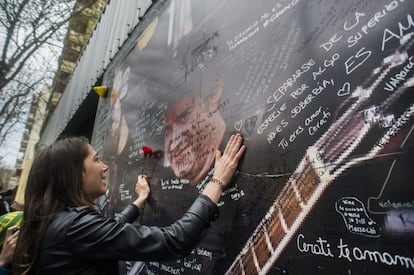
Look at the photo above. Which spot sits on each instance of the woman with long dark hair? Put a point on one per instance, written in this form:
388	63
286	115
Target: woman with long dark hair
62	233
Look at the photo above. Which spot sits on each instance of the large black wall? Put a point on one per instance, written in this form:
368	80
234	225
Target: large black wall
321	91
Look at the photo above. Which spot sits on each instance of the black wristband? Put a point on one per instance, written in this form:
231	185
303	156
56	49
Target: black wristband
219	182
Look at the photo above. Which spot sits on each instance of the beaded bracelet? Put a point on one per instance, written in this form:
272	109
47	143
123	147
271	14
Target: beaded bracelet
216	180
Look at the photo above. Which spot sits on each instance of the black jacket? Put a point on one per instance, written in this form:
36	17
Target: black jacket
82	241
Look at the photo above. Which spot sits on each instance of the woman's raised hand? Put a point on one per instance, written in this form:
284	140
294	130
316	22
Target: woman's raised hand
224	167
226	163
142	190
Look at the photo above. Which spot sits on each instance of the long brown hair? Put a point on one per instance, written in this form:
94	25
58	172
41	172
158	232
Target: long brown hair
54	183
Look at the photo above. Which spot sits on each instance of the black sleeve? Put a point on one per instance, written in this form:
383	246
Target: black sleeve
128	215
91	235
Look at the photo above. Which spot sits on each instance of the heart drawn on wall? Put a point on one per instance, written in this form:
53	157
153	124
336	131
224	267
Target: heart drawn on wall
238	125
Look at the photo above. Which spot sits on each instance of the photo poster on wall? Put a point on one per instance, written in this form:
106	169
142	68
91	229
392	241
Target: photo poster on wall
322	92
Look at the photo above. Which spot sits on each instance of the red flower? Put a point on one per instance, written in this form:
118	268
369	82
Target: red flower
147	151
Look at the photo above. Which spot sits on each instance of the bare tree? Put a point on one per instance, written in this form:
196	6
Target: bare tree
31	39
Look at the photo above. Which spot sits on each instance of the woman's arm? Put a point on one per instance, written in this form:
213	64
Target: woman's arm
131	212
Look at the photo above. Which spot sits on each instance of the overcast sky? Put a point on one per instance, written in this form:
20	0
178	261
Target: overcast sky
9	152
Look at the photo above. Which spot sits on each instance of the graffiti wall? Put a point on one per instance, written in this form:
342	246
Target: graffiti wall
322	92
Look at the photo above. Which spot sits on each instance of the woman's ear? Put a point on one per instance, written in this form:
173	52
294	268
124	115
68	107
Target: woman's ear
83	176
